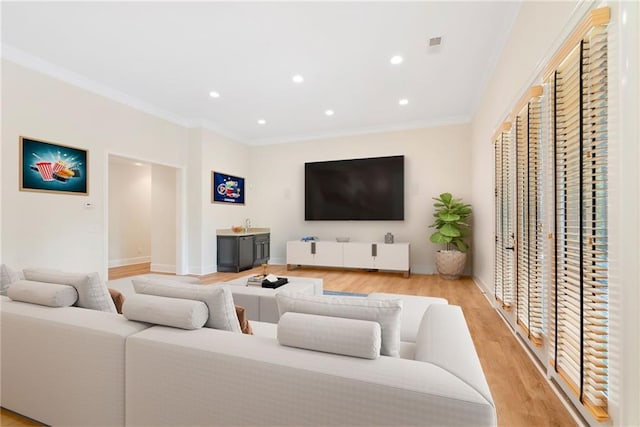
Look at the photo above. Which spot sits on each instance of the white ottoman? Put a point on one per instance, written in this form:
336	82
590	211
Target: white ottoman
260	303
182	279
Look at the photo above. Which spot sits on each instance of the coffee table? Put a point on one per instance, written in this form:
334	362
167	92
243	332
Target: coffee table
260	303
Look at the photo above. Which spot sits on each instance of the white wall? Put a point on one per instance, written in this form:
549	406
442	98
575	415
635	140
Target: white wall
207	152
54	230
515	72
163	219
194	202
624	210
436	160
222	155
129	213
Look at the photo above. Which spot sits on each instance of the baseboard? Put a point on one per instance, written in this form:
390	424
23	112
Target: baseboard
201	271
423	269
431	269
163	268
483	286
129	261
557	389
485	291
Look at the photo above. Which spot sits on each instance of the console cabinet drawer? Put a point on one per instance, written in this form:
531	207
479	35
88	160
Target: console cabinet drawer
378	256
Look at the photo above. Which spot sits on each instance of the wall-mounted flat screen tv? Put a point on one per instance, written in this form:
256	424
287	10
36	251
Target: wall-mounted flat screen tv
369	189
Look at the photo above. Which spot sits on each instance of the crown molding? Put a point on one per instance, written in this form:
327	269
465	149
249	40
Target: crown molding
20	57
578	13
445	121
209	125
35	63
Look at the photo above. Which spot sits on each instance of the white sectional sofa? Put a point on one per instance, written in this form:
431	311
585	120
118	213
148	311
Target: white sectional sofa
208	377
64	366
73	366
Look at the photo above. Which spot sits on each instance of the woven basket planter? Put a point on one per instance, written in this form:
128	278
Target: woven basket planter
450	264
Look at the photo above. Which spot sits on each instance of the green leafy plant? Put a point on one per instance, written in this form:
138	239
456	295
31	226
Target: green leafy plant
450	223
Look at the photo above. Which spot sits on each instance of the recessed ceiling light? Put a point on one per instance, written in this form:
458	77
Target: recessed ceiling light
403	101
138	164
262	122
395	60
214	94
329	112
297	78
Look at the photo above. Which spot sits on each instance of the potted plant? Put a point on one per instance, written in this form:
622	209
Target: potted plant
451	229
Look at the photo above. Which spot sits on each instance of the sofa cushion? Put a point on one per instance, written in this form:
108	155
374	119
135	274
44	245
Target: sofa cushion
175	312
413	308
264	329
7	277
444	340
49	294
92	292
219	301
386	312
349	337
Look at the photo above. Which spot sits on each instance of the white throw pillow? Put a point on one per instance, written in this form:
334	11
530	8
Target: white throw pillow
92	292
49	294
219	300
7	277
175	312
386	312
350	337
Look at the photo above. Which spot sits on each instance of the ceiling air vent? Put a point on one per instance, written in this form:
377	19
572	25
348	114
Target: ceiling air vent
435	41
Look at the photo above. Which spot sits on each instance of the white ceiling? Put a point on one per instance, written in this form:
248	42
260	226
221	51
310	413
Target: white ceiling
166	57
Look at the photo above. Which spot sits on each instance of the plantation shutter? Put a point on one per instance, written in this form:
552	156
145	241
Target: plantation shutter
536	258
580	294
595	229
504	274
499	202
529	248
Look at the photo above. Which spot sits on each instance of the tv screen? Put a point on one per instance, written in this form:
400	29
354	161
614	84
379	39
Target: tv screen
358	189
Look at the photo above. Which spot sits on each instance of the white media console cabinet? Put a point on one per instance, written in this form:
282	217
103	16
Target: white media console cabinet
377	256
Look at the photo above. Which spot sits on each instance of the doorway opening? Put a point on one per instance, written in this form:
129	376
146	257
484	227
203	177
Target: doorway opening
143	216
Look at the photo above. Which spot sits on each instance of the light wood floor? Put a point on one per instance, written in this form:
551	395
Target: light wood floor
129	270
521	394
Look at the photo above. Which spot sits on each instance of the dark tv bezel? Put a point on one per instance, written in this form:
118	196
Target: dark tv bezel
354	160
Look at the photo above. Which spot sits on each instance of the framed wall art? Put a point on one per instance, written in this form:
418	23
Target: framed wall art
227	188
51	167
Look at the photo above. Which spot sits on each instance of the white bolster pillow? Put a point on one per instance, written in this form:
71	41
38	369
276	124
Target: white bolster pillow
175	312
385	312
350	337
219	300
49	294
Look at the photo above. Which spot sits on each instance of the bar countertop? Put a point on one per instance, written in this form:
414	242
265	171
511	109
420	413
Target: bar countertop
246	232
